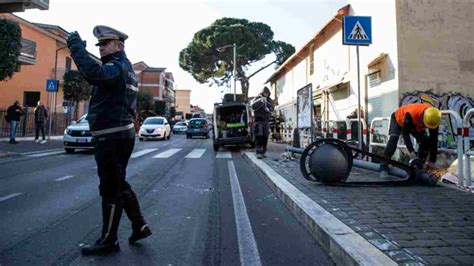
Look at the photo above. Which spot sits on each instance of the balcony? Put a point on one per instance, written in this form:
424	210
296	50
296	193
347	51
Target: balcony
10	6
28	52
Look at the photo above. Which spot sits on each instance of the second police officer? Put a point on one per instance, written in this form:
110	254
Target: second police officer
110	116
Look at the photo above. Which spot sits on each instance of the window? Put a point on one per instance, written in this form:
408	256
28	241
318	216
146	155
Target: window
375	78
31	98
68	64
154	121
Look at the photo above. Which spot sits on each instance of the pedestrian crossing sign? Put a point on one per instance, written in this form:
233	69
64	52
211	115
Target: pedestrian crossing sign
52	85
357	30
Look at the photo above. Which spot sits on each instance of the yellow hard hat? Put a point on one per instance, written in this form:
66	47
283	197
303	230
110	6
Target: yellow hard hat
431	117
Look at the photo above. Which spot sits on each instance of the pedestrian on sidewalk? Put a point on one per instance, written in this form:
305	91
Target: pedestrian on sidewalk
41	115
414	119
14	112
263	107
111	112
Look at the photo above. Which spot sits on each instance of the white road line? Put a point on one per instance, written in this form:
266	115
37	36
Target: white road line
7	197
167	154
141	153
64	178
195	154
45	154
247	246
37	152
224	155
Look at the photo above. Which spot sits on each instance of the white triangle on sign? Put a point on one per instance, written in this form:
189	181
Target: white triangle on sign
358	33
51	86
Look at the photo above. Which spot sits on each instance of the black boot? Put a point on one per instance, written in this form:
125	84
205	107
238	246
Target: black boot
111	214
132	208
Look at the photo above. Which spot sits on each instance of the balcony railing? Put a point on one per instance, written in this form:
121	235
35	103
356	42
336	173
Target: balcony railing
28	52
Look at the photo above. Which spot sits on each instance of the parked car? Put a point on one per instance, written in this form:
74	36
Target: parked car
78	136
155	127
180	127
197	127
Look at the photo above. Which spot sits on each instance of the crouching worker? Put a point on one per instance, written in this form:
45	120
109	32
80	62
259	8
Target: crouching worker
414	119
263	108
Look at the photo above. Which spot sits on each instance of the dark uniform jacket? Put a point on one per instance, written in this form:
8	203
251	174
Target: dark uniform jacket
263	114
113	103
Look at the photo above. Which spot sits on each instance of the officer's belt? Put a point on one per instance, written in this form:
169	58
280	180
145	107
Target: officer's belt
112	130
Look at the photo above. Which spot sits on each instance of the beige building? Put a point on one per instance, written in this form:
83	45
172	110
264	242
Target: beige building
420	51
183	103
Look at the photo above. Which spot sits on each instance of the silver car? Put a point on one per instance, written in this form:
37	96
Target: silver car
180	127
78	136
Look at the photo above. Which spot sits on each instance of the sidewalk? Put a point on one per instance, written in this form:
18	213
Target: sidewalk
27	145
376	225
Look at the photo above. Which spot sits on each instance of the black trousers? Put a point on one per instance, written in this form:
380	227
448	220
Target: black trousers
39	126
395	131
261	132
112	155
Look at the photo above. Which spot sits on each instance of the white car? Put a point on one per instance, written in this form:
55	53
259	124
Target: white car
180	127
78	136
155	127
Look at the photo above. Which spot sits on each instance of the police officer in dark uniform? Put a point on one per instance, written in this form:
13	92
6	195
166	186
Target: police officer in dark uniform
263	107
111	112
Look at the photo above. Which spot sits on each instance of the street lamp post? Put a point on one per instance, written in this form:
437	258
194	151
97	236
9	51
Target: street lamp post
234	72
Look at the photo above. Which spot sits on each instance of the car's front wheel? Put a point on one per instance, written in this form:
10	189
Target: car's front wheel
69	150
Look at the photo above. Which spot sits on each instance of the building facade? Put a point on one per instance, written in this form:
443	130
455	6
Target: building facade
420	52
44	56
157	82
183	104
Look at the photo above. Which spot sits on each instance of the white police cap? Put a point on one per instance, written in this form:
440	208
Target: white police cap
105	34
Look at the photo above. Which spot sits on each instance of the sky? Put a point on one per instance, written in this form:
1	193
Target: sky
159	29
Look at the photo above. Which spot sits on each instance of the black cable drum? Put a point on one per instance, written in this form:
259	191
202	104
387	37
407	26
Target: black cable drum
330	163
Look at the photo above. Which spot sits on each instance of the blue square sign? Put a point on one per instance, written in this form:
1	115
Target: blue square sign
52	85
357	30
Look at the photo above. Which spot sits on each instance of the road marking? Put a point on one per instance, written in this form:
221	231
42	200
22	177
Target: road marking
247	246
64	178
224	155
141	153
167	154
7	197
195	154
37	152
45	154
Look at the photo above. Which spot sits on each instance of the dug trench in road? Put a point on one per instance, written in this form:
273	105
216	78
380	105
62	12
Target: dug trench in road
31	221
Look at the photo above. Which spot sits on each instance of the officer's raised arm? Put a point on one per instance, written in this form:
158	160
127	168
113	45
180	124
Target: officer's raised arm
93	71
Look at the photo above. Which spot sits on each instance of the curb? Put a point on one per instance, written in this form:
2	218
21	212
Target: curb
32	138
344	245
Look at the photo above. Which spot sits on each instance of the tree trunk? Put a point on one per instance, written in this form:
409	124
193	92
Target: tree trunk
244	84
76	110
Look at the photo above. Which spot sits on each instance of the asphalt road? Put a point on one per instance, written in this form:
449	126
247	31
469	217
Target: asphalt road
204	208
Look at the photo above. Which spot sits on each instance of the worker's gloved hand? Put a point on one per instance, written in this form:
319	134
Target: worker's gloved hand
412	155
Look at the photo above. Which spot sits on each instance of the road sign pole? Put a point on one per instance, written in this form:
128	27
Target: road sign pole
359	125
50	111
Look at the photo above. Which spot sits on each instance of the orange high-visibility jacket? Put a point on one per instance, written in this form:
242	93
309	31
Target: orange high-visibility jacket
416	112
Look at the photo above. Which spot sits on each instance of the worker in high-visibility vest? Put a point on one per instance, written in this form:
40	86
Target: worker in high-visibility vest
413	119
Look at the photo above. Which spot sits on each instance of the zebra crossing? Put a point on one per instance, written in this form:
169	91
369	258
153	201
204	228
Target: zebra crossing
168	153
